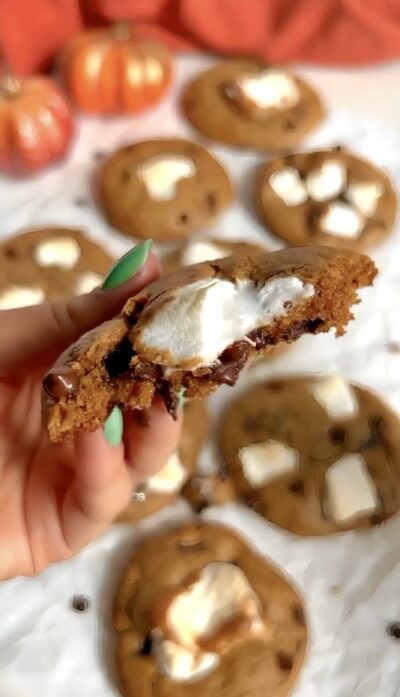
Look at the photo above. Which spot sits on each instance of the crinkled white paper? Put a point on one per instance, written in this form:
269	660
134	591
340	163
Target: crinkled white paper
351	582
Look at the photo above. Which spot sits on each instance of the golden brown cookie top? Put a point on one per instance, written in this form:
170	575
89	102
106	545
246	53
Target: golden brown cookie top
197	328
248	104
198	610
313	455
329	197
48	264
165	189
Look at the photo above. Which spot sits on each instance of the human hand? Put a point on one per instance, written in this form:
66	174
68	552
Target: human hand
56	498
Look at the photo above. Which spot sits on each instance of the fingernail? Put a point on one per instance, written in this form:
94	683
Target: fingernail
181	398
113	427
128	265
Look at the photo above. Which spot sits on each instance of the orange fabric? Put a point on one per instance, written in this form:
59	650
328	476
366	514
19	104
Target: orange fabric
324	31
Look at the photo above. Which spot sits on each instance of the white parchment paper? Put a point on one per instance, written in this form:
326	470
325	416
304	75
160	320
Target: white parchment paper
351	582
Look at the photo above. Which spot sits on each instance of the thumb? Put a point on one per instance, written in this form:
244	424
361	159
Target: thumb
34	336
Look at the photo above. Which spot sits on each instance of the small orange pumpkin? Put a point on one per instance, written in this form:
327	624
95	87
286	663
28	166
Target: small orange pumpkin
109	71
36	123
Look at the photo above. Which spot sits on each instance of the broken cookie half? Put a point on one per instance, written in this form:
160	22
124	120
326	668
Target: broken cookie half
196	328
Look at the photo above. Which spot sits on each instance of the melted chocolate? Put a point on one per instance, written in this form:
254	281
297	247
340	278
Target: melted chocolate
297	487
298	614
285	661
231	362
80	603
170	397
118	360
336	435
60	382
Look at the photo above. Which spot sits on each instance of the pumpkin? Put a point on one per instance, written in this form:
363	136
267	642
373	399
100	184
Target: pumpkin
109	71
36	124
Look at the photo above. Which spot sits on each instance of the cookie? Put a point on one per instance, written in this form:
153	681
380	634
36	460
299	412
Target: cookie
204	490
199	250
200	613
163	488
49	264
165	189
328	197
315	456
247	104
197	328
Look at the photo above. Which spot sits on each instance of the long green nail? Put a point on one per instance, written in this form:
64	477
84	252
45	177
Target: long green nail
181	398
128	265
114	427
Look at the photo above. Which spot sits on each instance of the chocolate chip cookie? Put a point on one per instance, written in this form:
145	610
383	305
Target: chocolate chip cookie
247	104
198	612
315	456
328	197
165	189
163	488
49	264
197	328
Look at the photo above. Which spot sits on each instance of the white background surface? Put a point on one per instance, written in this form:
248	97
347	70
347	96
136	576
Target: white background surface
351	583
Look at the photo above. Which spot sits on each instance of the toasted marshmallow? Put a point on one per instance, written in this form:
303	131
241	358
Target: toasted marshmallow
219	595
263	462
342	220
20	296
351	490
336	396
161	173
87	281
170	478
201	250
198	321
288	185
270	89
328	181
58	251
364	196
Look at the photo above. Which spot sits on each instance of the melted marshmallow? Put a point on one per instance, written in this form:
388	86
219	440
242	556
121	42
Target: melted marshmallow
20	296
351	490
201	250
270	89
336	396
263	462
57	251
364	196
202	319
342	220
328	181
161	174
170	478
288	185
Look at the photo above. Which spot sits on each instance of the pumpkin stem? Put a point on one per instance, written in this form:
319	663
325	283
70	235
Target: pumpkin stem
122	31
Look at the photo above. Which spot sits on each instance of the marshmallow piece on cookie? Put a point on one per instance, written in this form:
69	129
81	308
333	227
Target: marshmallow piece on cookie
264	462
199	614
20	296
197	322
328	181
351	490
170	478
87	281
336	396
269	89
57	251
364	196
161	173
201	250
289	186
342	220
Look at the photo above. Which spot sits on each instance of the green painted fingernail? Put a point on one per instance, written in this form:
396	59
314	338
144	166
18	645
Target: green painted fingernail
114	427
181	398
128	265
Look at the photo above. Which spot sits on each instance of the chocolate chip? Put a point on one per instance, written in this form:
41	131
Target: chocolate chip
212	201
183	218
289	125
297	487
125	176
298	615
336	435
147	646
11	253
80	603
338	148
376	423
231	360
285	661
393	629
60	382
118	360
250	423
370	443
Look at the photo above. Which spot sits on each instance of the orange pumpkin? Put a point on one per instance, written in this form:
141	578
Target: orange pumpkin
36	124
108	71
